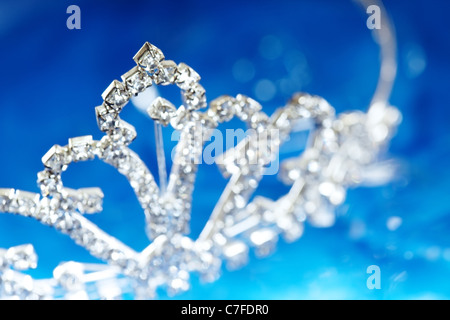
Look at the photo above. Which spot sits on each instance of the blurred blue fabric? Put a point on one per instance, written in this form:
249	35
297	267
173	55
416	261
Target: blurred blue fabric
52	79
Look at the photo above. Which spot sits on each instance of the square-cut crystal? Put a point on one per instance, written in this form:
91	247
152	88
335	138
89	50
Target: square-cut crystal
70	201
125	133
46	210
187	76
162	111
148	57
167	73
107	119
136	80
81	148
49	183
223	108
116	95
25	202
56	159
91	200
6	196
194	98
22	257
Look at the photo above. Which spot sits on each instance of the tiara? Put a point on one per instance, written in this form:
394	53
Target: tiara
340	150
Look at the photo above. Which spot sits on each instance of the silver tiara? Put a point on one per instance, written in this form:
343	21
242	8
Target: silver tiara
341	150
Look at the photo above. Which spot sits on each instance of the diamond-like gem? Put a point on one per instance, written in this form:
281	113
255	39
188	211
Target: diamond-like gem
162	111
81	148
148	57
187	76
116	96
222	109
136	80
167	73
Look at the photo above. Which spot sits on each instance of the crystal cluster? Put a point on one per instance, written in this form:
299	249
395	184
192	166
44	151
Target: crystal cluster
340	149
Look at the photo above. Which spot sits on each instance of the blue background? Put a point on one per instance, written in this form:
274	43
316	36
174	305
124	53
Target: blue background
52	79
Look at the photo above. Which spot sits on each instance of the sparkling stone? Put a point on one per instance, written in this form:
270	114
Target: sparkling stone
162	111
22	257
116	95
236	254
49	183
99	248
260	122
392	117
70	200
86	238
166	263
194	98
324	217
379	133
119	158
326	188
292	230
167	73
107	119
25	203
136	80
77	295
187	76
181	117
81	148
17	285
6	195
63	222
282	120
355	139
246	107
265	241
119	258
207	264
335	193
109	289
148	57
91	200
222	109
49	218
207	123
307	106
179	283
46	210
140	178
312	106
56	159
124	134
300	112
300	98
290	170
323	108
3	262
70	276
327	141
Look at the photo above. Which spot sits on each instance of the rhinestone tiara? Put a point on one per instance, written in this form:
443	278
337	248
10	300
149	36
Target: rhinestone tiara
340	151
